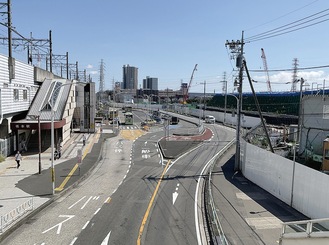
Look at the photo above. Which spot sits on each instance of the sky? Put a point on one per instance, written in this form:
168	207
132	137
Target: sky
166	38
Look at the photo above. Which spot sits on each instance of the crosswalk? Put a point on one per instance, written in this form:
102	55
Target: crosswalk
128	127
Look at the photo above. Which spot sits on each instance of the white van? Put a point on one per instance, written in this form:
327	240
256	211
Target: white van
210	119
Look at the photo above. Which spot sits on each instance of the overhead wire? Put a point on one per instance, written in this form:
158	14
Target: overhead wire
291	27
284	15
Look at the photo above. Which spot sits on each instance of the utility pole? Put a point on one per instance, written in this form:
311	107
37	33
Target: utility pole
237	51
67	65
11	65
204	98
50	53
225	93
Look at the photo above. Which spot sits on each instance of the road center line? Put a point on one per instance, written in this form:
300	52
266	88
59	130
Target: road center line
141	229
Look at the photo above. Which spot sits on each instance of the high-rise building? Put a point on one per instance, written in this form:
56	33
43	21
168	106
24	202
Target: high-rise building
130	77
150	83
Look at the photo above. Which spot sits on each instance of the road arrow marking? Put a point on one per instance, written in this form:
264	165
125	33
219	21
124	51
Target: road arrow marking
174	197
106	240
59	224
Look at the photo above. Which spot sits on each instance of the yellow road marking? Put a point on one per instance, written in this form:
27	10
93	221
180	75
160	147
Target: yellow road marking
131	134
141	229
67	178
61	187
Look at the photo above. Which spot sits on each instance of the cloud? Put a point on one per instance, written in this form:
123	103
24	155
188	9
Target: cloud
282	81
89	66
93	72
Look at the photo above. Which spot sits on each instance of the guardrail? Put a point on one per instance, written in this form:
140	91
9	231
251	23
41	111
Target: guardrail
215	226
8	219
305	229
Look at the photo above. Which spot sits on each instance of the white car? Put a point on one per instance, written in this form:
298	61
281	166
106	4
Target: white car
210	119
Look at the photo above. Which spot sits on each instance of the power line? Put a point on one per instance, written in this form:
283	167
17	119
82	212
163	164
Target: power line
284	15
291	69
291	27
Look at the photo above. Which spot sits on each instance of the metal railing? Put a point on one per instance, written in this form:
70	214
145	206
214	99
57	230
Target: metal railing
305	229
9	218
216	230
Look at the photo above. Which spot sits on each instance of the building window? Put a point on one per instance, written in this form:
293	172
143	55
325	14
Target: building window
16	94
25	95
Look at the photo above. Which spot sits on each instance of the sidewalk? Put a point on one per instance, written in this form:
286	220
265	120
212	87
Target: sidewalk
24	190
248	214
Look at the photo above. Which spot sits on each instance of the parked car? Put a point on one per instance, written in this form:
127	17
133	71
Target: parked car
210	119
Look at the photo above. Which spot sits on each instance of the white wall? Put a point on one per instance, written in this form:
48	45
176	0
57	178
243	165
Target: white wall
24	80
275	174
230	119
311	192
315	123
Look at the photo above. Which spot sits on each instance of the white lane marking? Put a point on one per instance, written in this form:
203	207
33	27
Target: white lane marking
84	205
73	241
106	240
84	227
197	207
59	224
175	194
107	199
76	202
97	211
174	197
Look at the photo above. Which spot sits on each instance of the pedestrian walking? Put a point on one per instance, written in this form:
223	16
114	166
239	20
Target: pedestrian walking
84	140
18	158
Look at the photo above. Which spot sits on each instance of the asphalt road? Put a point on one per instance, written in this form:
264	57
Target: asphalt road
132	196
174	217
63	220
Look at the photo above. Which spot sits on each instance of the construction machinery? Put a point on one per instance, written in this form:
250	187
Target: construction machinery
269	89
185	95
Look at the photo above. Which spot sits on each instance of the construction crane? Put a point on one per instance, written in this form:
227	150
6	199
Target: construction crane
185	96
269	89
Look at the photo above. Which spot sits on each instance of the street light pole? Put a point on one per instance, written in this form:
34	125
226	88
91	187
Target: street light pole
300	110
225	98
52	134
52	147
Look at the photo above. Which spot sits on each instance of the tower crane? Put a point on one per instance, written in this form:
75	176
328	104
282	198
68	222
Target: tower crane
189	85
269	89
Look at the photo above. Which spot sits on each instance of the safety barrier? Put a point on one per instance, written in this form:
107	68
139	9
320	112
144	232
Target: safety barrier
215	226
314	231
9	219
